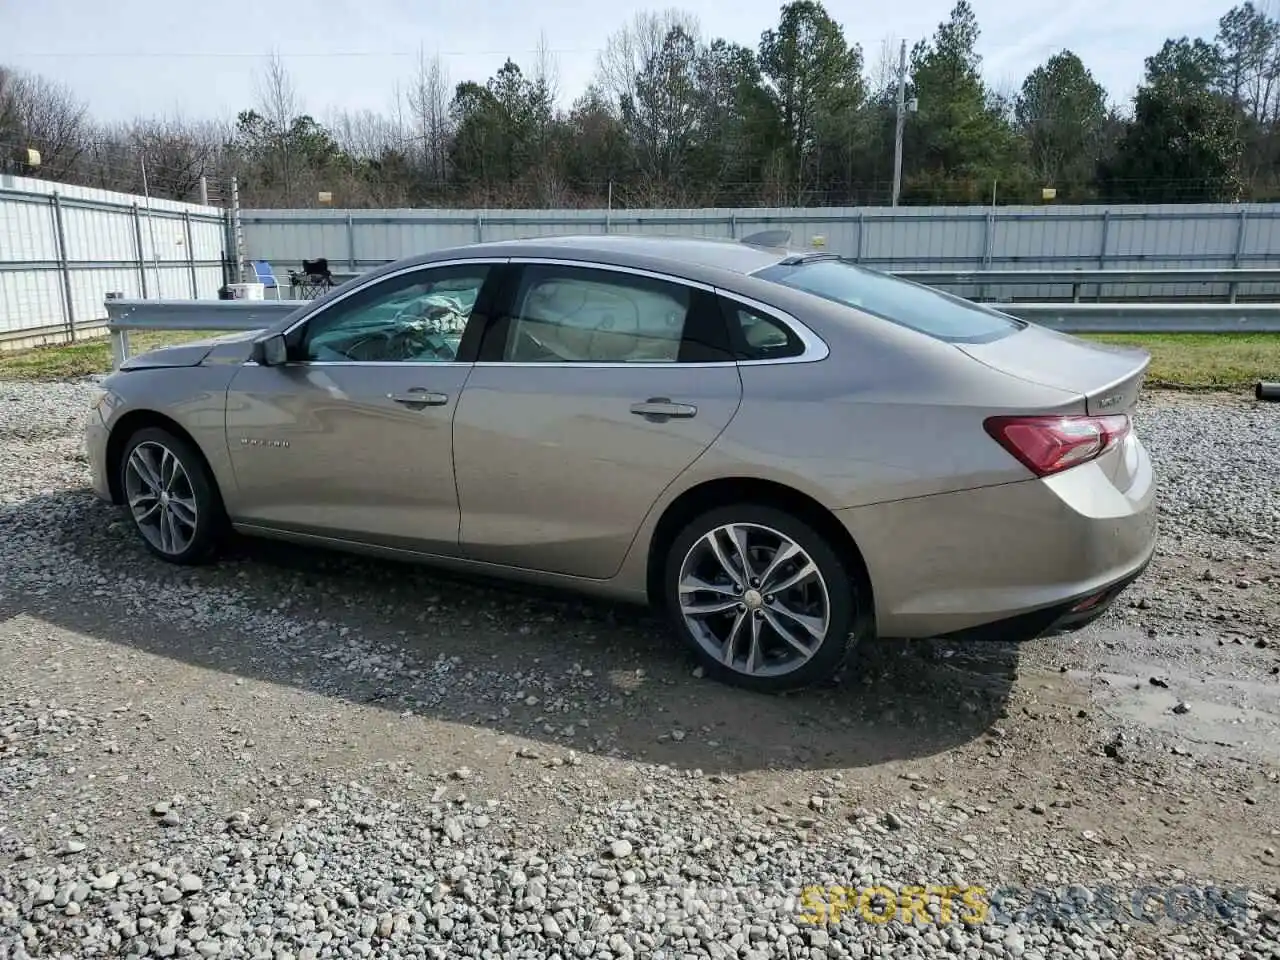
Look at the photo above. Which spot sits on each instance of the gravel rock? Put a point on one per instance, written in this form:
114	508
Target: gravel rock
332	745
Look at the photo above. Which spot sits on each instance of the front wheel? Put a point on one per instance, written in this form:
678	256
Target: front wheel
171	496
763	599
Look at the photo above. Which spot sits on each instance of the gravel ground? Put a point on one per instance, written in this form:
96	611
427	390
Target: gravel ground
297	755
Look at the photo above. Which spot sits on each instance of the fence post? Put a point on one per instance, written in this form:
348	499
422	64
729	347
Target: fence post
479	227
862	236
1102	252
63	266
228	244
119	347
119	338
988	241
191	255
137	246
1235	261
351	244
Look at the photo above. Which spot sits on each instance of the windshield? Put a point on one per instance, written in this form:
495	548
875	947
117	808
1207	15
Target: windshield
899	301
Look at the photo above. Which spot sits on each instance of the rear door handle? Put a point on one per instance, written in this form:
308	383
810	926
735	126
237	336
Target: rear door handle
419	397
659	409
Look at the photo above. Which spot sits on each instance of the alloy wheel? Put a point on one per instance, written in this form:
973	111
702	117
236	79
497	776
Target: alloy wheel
754	600
161	497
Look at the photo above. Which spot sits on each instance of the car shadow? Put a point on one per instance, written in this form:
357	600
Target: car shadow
523	649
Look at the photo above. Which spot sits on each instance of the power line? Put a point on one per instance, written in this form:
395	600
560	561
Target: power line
234	54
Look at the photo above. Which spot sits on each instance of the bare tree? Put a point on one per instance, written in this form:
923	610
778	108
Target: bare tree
396	122
1002	95
546	69
279	105
883	75
632	49
364	134
177	153
37	112
428	98
9	130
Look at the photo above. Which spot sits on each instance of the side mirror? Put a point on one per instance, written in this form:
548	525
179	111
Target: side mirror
270	351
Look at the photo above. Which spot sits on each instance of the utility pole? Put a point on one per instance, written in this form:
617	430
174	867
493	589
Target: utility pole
237	230
902	121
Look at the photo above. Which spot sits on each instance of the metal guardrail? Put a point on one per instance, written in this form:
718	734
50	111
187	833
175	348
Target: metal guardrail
197	314
214	315
242	315
1052	277
1232	278
1150	317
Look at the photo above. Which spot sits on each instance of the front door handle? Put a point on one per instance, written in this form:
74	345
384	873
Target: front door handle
660	409
419	397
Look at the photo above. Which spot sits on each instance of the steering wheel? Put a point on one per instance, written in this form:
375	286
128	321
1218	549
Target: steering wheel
406	343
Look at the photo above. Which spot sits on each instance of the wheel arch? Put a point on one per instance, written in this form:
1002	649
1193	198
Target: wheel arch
730	490
128	425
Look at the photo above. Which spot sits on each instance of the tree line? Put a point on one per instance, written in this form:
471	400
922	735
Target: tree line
676	119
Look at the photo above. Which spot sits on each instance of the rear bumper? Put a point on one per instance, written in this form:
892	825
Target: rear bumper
1014	560
1061	618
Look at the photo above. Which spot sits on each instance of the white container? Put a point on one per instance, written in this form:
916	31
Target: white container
247	291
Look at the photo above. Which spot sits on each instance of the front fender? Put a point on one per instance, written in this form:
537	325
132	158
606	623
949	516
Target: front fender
193	398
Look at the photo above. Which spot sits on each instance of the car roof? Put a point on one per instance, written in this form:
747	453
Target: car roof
692	257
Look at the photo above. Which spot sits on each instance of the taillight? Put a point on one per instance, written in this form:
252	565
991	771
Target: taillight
1051	444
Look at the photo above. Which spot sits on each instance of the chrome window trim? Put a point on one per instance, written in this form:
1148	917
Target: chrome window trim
489	262
434	364
570	365
815	348
614	268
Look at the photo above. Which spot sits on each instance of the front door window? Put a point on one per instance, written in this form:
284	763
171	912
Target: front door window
417	317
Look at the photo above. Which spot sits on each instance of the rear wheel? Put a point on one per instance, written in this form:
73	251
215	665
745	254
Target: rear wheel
171	496
762	599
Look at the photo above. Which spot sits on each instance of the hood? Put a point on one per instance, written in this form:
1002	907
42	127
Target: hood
230	348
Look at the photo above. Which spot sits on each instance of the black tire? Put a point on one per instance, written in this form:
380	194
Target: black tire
841	594
210	516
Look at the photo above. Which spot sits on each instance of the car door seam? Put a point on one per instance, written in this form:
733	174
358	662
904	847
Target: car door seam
226	441
644	522
453	453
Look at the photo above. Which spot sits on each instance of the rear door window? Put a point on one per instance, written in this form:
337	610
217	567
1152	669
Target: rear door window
577	314
924	309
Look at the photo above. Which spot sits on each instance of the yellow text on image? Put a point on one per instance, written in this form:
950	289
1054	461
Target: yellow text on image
909	904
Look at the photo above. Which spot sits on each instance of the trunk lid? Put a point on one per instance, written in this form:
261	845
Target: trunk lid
1108	377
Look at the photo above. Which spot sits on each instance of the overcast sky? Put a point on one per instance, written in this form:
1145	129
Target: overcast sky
146	57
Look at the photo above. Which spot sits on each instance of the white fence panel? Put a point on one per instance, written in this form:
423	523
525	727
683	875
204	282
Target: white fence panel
63	248
904	238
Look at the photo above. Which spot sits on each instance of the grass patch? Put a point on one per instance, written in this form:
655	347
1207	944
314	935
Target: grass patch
69	361
1204	361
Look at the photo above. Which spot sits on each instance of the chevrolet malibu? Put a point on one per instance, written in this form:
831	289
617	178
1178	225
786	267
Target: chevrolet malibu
783	451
